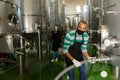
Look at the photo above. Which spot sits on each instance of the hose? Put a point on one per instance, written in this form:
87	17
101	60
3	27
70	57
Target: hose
89	70
82	62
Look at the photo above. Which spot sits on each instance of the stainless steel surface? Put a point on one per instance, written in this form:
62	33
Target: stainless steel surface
21	42
39	43
112	20
4	45
104	30
34	11
113	42
107	12
31	14
20	61
9	43
10	16
116	72
57	13
21	64
76	20
10	28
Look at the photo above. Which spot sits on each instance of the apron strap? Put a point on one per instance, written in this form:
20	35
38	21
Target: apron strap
82	38
75	36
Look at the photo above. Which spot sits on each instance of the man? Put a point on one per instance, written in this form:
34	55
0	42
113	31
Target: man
75	46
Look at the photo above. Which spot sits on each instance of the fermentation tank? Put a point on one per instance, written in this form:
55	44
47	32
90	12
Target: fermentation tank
10	16
30	14
108	14
111	18
76	20
57	13
33	12
35	21
10	24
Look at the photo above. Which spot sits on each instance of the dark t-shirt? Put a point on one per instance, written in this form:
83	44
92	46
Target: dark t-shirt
56	40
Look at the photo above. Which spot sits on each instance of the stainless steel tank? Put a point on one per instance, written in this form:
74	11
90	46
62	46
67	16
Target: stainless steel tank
31	14
10	24
61	8
108	13
57	12
35	18
33	11
76	20
67	22
10	16
111	18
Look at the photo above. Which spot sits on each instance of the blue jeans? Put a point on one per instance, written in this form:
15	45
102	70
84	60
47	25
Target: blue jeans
82	73
54	54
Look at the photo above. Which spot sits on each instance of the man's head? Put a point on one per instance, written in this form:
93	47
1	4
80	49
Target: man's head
82	27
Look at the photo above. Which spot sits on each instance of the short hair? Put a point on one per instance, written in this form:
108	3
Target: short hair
84	22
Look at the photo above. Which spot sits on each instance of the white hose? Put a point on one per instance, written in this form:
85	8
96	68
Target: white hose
82	62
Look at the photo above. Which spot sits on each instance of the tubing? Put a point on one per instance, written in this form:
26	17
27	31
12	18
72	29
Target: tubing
67	69
82	62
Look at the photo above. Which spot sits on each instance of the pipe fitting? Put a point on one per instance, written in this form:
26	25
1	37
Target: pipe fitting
113	42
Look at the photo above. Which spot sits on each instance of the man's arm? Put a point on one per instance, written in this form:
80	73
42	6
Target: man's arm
84	46
86	54
67	43
75	62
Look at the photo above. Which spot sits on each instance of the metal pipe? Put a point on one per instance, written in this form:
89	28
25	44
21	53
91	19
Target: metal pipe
48	46
39	43
21	42
82	62
116	72
20	62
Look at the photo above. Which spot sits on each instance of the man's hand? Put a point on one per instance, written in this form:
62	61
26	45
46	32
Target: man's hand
76	63
92	60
